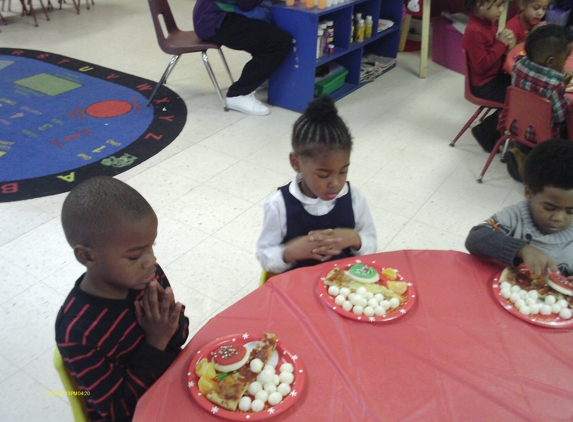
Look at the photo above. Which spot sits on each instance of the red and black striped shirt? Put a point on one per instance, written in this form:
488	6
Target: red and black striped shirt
105	351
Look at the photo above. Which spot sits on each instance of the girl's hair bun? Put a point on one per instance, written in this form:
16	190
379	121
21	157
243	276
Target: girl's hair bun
322	110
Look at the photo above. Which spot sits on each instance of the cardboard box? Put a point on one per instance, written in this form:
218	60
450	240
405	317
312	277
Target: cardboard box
447	45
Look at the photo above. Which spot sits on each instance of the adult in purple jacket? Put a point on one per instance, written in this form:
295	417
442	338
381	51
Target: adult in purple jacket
268	45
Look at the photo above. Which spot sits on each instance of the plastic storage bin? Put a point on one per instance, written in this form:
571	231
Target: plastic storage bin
330	84
447	45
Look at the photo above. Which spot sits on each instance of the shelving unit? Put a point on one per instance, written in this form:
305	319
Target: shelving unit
292	85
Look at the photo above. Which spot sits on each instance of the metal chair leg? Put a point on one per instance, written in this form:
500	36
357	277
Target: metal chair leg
44	9
505	146
491	156
467	125
213	79
226	65
163	79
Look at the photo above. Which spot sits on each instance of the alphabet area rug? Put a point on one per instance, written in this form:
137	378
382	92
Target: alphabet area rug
63	121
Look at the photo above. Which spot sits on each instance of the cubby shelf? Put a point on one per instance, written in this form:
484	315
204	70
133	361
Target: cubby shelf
292	85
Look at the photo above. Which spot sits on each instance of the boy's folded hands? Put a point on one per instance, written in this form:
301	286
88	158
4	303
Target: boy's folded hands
538	262
158	315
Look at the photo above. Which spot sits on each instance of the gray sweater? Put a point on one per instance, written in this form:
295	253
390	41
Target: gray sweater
508	230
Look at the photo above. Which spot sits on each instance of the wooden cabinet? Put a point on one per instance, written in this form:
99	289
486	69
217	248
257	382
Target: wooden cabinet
292	85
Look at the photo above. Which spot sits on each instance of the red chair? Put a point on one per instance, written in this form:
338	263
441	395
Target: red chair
179	42
528	119
483	104
32	11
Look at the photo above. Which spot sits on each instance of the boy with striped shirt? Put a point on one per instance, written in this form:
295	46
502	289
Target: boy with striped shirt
119	328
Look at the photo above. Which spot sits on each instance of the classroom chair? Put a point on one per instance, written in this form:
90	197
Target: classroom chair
31	11
77	402
265	276
524	111
179	42
486	105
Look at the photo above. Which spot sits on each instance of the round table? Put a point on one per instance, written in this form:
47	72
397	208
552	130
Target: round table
456	355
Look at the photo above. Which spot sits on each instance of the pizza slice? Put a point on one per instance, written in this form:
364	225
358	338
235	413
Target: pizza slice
228	392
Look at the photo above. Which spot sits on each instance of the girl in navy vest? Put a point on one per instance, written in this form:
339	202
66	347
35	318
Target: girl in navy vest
317	216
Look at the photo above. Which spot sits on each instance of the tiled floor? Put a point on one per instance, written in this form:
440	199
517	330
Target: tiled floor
208	186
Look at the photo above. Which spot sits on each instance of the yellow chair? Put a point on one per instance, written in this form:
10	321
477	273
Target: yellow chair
265	276
78	404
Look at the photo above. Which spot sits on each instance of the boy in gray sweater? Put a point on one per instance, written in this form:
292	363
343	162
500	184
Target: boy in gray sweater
539	230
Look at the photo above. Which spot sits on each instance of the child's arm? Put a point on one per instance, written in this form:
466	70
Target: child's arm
483	56
270	249
487	239
537	261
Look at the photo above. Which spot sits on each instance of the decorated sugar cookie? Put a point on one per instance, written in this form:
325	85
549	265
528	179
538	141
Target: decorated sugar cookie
363	273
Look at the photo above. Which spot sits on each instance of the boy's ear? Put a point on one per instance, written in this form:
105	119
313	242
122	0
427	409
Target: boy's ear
549	62
294	162
84	255
528	193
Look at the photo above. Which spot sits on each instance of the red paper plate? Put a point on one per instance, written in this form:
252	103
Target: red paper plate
281	355
552	320
401	310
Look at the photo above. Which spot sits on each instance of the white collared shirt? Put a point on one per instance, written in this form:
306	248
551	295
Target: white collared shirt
270	249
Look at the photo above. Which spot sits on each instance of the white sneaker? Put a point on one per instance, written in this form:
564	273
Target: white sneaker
247	104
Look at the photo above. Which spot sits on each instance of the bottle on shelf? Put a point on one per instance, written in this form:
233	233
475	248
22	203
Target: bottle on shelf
368	27
319	43
352	31
359	36
328	36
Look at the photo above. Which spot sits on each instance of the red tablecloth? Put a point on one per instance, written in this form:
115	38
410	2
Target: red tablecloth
457	355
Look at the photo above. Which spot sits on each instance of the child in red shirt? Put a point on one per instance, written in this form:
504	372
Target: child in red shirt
486	49
531	13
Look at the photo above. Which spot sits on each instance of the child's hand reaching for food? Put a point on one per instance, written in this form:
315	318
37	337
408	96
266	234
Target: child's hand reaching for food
538	262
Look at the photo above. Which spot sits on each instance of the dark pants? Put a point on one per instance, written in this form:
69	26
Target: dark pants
486	132
268	44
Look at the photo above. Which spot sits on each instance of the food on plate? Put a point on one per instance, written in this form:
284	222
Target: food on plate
560	283
532	296
274	398
390	273
284	389
204	367
257	405
398	287
229	391
338	277
230	357
251	387
256	365
206	385
366	298
245	403
363	273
